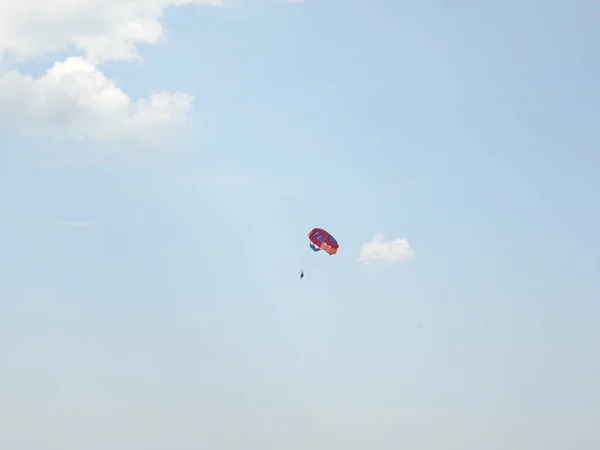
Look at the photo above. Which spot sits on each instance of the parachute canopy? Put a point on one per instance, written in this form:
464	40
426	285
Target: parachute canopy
322	240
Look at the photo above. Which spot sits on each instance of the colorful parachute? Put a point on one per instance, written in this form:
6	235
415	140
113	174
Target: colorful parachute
322	240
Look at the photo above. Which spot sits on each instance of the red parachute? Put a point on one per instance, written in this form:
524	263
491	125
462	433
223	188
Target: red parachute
322	240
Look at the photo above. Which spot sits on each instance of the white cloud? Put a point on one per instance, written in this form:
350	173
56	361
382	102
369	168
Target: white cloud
102	29
378	249
74	98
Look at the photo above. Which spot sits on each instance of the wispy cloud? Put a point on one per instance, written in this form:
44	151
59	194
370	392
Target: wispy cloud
76	223
379	249
400	184
221	180
235	180
264	115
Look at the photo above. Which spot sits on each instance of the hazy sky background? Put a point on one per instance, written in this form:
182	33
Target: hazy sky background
150	298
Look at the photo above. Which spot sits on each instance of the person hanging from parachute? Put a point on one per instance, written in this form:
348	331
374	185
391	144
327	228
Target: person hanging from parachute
321	240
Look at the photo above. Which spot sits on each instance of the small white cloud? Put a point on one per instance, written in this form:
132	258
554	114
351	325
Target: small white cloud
73	99
378	249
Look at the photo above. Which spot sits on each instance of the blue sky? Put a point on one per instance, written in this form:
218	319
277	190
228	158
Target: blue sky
150	297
